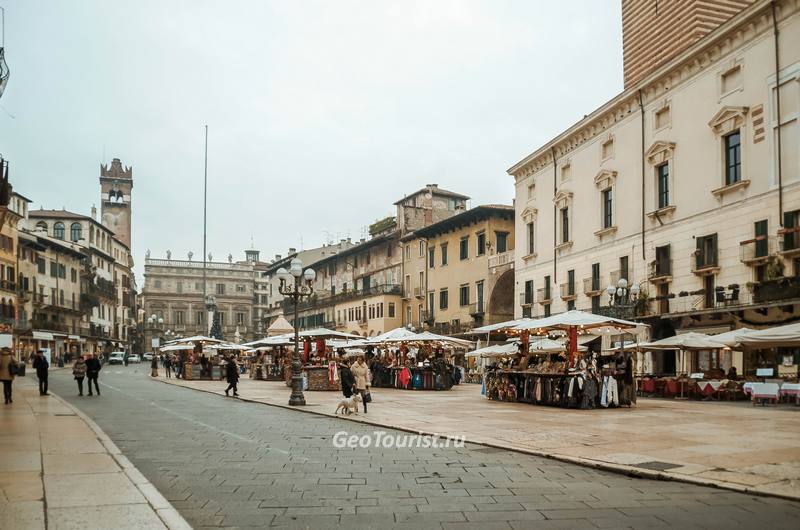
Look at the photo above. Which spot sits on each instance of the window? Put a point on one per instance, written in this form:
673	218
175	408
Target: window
240	319
596	304
733	158
706	255
221	319
730	80
220	288
53	269
791	227
662	175
531	239
199	318
570	304
623	267
158	284
762	244
62	271
42	267
463	248
179	286
408	252
608	208
431	296
431	257
199	286
502	241
531	192
75	232
789	121
58	230
564	225
571	282
443	299
41	225
179	317
547	287
241	288
73	275
607	149
596	277
444	253
463	295
528	292
391	309
663	264
481	244
547	310
421	248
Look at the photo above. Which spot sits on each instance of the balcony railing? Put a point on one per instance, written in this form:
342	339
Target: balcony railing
789	241
499	260
567	291
659	269
591	286
757	249
428	317
476	309
319	300
526	299
544	295
7	285
50	325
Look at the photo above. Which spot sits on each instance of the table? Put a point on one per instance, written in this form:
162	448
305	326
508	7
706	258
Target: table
791	389
709	388
765	392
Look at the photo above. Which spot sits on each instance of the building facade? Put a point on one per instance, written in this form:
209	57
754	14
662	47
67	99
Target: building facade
12	320
687	185
458	272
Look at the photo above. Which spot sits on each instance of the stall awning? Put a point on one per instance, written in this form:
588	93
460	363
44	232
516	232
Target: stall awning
42	335
73	337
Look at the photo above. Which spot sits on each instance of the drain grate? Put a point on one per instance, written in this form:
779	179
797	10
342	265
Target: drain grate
64	414
657	466
489	450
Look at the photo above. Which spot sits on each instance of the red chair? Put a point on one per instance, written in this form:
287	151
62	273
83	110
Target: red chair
672	388
648	386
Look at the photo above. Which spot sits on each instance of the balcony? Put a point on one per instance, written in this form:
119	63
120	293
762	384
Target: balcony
591	286
660	271
407	293
789	241
526	299
757	250
778	289
419	292
50	325
504	259
704	263
567	291
544	295
7	285
477	309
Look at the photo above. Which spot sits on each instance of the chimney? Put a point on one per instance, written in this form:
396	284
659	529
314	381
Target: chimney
94	213
362	240
348	240
432	186
292	250
277	257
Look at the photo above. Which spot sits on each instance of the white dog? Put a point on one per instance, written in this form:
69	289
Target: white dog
349	405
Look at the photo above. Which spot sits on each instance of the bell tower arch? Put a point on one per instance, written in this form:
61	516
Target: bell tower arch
116	184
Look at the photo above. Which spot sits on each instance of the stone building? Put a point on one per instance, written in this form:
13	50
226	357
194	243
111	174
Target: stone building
687	184
458	273
12	320
173	291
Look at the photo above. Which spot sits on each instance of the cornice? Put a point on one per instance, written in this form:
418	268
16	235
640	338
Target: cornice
732	35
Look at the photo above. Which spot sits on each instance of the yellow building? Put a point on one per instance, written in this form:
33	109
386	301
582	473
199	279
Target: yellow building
458	273
11	321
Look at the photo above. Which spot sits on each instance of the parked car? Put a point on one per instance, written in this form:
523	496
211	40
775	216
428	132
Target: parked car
134	358
148	356
116	357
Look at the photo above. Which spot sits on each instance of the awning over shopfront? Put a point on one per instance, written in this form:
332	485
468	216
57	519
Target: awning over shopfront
43	335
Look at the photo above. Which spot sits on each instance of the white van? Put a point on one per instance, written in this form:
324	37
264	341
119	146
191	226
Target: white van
116	357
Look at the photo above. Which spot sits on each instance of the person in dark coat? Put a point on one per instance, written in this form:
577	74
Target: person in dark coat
41	365
168	365
348	381
93	368
232	376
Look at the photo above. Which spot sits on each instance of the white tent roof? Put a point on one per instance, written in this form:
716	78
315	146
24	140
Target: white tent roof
733	337
779	336
581	319
279	327
498	349
196	338
177	347
229	346
340	343
428	336
277	340
395	335
323	333
499	326
684	341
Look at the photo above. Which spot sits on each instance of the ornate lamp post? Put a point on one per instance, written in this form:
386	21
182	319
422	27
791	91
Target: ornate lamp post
621	295
292	286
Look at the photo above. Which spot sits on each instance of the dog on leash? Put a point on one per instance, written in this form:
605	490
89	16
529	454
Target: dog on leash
349	405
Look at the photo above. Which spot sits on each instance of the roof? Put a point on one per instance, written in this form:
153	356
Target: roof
477	214
361	247
21	196
66	214
436	191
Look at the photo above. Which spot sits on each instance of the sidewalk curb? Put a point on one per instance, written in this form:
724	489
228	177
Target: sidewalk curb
622	469
171	518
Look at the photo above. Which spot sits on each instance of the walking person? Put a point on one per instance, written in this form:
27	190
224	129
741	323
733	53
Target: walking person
154	366
168	365
79	373
360	372
348	381
93	368
41	365
8	370
232	375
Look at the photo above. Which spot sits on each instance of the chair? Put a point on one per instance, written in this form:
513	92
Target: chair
672	388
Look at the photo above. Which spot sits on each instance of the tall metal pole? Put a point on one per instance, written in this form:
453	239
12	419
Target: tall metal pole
297	398
205	199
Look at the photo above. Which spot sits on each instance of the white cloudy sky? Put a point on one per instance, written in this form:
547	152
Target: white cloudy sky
321	113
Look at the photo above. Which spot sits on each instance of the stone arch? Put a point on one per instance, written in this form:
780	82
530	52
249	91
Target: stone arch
501	299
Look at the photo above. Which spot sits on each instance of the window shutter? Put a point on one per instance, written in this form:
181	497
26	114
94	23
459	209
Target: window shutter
699	256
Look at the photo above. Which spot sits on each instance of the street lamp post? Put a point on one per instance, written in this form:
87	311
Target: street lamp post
293	286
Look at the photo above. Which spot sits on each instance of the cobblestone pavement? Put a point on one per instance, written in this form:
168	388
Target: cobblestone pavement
227	463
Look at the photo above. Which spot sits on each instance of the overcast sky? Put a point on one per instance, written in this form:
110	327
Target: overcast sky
321	114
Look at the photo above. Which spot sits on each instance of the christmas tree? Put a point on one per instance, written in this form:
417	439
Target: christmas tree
216	328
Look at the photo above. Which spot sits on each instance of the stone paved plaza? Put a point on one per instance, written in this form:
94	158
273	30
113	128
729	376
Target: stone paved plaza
227	463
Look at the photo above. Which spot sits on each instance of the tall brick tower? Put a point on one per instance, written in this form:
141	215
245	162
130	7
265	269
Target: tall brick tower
116	184
655	31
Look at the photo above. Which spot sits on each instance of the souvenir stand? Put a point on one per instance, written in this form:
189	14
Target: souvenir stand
214	368
268	359
422	360
189	359
319	361
568	378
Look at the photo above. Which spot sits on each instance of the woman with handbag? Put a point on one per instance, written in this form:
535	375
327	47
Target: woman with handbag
360	372
79	373
8	370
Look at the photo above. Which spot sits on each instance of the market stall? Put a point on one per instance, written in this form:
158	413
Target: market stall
320	368
187	361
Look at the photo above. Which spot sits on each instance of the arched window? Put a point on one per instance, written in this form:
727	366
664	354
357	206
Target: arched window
58	230
75	232
91	234
41	225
